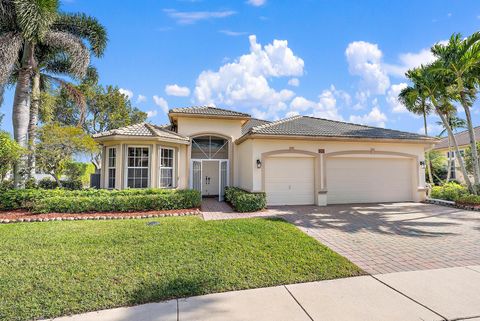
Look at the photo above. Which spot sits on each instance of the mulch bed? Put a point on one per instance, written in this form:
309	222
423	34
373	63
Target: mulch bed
25	216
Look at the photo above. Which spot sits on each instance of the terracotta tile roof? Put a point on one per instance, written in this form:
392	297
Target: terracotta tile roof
253	122
462	139
143	130
311	126
208	110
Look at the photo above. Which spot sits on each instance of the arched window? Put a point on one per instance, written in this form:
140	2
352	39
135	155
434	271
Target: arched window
209	147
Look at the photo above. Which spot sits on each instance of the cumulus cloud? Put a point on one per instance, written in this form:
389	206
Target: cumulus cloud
141	99
295	82
176	90
126	92
151	113
191	17
375	118
256	3
408	61
161	102
392	98
365	60
326	106
245	82
432	128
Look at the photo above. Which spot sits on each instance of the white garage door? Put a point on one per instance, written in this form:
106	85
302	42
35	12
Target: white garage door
289	180
364	180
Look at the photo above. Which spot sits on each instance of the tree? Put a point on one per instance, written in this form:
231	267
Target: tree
438	162
431	83
26	26
459	62
57	145
107	108
455	123
10	152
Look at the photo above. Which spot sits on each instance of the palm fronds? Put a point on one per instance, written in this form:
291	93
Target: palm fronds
34	17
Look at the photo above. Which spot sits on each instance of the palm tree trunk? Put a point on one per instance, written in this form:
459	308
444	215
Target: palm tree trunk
457	150
21	111
473	143
449	162
32	125
2	90
427	156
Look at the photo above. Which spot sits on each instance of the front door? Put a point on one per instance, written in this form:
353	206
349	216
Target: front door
210	179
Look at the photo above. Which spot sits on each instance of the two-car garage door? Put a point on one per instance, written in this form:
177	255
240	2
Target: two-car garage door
291	180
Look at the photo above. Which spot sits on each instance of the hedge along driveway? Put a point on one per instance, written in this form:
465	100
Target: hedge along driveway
59	268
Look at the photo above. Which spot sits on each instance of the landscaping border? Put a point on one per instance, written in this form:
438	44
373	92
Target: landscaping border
29	217
452	204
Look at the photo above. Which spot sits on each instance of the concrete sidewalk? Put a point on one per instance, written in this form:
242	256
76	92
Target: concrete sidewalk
443	294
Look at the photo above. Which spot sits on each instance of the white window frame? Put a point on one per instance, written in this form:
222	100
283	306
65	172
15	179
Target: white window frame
173	168
127	167
111	167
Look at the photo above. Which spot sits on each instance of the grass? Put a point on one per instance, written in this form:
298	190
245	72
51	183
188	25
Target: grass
59	268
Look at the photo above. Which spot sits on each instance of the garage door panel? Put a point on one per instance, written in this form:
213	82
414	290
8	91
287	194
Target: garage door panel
367	180
289	181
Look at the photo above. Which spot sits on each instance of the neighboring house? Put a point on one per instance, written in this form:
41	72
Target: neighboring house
463	141
297	160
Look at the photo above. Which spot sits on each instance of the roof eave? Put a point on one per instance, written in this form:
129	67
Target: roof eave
174	115
115	137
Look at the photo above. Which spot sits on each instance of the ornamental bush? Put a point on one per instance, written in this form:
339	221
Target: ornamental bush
450	191
243	201
468	200
38	198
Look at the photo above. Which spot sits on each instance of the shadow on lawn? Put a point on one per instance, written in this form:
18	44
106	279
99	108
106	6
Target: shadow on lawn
411	220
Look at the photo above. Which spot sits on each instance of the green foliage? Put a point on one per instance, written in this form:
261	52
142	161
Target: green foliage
75	170
62	268
438	164
10	152
115	200
450	191
469	200
244	201
57	145
469	159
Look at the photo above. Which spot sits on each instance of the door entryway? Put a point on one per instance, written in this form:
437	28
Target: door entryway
210	177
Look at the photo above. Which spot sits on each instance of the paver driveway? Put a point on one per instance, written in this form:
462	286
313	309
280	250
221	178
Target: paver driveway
384	238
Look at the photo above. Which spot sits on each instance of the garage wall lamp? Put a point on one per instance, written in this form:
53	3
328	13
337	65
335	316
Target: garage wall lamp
422	164
259	163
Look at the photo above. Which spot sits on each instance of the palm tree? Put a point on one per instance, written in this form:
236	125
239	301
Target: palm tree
416	102
428	81
459	62
27	26
456	123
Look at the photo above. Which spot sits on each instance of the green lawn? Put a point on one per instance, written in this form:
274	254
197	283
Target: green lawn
58	268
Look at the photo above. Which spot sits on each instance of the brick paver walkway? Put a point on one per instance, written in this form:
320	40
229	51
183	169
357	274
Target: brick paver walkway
384	238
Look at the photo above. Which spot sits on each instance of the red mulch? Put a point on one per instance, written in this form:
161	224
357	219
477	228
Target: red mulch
20	215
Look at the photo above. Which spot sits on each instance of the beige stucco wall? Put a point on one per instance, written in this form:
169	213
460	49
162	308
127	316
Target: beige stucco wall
260	146
246	165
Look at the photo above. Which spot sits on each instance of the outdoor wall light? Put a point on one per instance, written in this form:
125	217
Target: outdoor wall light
422	164
259	163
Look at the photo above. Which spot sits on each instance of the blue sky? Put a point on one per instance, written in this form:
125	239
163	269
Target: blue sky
341	60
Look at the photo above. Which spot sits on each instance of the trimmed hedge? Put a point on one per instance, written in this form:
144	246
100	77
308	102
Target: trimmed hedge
98	200
472	200
450	191
243	201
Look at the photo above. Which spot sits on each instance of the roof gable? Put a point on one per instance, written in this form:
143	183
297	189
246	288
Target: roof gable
208	111
143	130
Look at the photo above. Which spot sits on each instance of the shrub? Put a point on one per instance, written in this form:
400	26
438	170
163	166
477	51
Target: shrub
72	184
450	191
47	183
243	201
175	199
468	200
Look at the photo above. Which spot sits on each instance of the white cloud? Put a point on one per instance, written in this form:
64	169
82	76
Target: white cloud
257	3
233	33
161	102
126	92
325	107
433	129
151	113
365	60
392	98
176	90
295	82
141	99
191	17
245	82
375	118
408	61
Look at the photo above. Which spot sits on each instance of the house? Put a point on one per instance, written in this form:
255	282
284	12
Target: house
297	160
446	148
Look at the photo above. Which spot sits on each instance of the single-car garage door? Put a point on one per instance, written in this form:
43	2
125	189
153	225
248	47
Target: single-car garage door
289	180
369	180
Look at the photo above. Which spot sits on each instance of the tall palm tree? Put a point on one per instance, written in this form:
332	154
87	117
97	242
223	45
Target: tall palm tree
455	123
415	100
459	62
431	83
28	25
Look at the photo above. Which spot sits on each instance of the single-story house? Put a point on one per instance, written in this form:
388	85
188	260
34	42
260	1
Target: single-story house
445	147
297	160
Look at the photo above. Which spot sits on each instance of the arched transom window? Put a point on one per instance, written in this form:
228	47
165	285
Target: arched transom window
209	147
